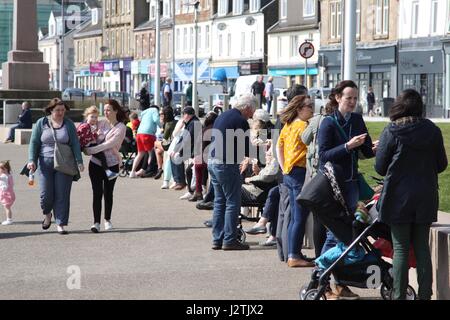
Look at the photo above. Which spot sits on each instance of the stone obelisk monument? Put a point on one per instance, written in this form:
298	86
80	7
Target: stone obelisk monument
25	69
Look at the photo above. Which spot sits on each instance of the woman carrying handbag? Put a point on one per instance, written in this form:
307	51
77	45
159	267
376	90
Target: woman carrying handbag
49	133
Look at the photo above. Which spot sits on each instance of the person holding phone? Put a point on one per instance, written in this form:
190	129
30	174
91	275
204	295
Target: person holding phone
342	139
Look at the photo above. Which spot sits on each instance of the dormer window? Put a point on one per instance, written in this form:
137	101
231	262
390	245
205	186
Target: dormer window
94	13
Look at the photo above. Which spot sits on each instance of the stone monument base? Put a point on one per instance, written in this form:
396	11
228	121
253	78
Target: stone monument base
25	75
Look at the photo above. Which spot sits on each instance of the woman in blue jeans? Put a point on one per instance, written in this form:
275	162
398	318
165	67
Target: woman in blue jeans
292	158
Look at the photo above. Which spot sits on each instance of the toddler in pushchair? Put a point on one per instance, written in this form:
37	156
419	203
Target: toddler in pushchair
355	261
128	150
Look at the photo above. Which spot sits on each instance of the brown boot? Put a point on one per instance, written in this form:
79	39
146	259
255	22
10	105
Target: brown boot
299	263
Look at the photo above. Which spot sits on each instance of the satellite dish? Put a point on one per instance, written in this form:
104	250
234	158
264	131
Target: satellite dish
221	26
250	20
103	49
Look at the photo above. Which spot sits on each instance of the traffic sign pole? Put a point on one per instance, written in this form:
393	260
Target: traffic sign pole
306	50
305	83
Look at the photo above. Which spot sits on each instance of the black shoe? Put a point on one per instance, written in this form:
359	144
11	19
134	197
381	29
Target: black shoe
150	174
158	174
208	223
216	246
205	205
63	232
46	226
236	246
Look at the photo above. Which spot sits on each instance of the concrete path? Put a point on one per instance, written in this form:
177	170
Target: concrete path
159	249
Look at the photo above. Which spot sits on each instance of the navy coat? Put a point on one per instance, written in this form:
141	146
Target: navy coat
410	156
332	143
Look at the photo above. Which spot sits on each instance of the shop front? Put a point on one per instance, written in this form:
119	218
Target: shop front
225	74
375	67
111	75
296	74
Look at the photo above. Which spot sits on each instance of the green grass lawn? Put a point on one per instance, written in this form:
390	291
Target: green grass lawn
366	166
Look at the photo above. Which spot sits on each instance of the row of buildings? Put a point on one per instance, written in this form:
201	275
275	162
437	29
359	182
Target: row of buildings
111	44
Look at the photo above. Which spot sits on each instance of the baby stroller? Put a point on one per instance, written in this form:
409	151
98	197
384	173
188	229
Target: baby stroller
128	150
369	272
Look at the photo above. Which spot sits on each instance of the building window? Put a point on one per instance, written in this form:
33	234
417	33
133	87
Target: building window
358	19
166	9
130	43
229	45
220	45
177	6
185	39
335	19
191	43
238	6
434	16
199	39
280	49
255	5
415	18
177	41
207	38
170	43
223	8
294	45
253	43
242	43
382	17
283	9
152	10
309	8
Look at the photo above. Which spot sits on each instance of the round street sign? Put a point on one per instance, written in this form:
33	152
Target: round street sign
306	50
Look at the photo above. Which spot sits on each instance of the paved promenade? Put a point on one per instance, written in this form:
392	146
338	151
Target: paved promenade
159	249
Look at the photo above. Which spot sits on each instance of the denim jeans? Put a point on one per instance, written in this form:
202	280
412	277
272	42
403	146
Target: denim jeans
227	202
179	176
270	211
296	229
12	131
350	193
55	191
269	105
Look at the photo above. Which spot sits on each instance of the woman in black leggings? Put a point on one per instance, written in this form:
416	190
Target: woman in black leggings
110	137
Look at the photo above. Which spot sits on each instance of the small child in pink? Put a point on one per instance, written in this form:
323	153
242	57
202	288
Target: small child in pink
87	134
7	195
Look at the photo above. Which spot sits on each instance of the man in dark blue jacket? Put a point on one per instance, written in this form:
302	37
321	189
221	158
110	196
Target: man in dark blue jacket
23	122
230	143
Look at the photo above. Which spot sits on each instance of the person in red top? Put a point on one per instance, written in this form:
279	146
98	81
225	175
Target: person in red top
135	122
87	134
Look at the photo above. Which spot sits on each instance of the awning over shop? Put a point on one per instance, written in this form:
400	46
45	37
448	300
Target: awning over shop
292	72
219	75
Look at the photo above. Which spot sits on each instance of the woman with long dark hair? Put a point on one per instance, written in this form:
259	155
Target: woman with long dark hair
410	155
112	132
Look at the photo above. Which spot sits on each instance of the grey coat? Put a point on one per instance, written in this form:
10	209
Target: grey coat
410	156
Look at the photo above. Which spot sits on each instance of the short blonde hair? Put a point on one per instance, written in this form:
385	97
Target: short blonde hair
90	110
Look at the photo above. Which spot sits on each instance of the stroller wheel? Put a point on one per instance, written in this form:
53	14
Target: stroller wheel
303	290
312	295
410	293
241	236
385	292
123	172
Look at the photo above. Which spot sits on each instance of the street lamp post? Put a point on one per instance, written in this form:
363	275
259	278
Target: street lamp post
61	49
194	85
157	58
350	41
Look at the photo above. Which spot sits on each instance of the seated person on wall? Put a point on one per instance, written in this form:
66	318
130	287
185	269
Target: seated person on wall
23	122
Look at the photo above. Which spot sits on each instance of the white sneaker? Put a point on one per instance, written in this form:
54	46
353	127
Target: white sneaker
133	175
7	222
108	225
186	196
165	185
111	175
95	228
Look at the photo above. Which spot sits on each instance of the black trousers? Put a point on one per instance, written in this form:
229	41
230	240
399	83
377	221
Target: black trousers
101	186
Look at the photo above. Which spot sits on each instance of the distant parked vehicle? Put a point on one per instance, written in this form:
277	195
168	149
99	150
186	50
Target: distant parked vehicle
320	97
73	94
97	94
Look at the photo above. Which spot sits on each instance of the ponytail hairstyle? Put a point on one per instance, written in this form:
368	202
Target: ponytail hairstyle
5	165
337	91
